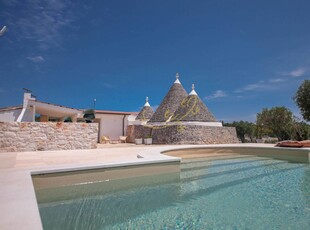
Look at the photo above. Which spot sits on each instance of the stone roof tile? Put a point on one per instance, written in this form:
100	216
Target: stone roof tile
170	103
193	109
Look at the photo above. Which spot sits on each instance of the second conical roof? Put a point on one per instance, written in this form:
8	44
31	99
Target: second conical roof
146	112
170	103
193	109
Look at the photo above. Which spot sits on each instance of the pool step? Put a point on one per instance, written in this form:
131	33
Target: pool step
218	173
204	166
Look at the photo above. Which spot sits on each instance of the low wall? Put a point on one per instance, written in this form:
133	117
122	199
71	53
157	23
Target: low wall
137	131
41	136
185	134
194	134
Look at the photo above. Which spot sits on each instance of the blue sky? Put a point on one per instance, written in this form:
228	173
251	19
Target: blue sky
242	55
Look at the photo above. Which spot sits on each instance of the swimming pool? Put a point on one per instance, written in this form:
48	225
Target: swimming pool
230	192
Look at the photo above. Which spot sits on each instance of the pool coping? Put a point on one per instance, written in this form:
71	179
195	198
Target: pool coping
14	214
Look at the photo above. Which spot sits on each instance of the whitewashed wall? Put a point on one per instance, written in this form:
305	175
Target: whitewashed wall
29	115
12	115
9	115
112	125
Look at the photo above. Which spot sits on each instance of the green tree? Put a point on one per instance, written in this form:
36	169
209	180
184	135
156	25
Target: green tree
260	132
277	119
300	131
302	99
89	115
244	129
67	119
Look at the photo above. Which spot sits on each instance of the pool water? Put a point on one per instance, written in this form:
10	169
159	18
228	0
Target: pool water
233	192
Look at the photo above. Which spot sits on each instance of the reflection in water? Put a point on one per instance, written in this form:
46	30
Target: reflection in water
89	206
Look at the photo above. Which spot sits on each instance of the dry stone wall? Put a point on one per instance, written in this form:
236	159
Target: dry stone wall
185	134
137	131
194	134
40	136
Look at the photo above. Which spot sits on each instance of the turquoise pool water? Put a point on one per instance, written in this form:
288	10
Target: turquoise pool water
240	192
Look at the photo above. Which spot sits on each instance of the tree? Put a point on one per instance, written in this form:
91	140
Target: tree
244	129
67	119
302	99
89	115
277	119
300	131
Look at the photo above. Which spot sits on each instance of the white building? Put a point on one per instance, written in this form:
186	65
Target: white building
111	123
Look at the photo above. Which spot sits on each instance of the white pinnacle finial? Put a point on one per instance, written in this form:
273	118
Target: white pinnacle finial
177	78
147	101
193	92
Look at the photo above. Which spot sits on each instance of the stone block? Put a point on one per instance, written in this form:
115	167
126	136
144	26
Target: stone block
9	134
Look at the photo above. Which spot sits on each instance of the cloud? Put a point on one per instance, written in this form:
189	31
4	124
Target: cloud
216	94
297	72
253	87
277	80
41	22
36	59
2	91
9	2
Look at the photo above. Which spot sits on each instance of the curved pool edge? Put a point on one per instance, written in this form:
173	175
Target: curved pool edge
297	155
157	155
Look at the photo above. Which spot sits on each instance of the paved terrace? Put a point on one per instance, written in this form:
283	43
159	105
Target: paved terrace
19	210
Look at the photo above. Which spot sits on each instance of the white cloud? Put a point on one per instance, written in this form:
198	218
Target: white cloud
252	87
277	80
297	72
36	59
9	2
216	94
238	91
40	21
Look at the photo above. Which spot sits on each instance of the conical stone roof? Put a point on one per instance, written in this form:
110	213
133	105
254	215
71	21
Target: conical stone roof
146	112
193	109
170	103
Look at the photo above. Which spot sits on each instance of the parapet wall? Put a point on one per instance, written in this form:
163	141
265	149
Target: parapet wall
185	134
40	136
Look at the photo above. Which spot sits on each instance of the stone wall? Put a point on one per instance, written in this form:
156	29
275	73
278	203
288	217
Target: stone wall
194	134
40	136
137	131
185	134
